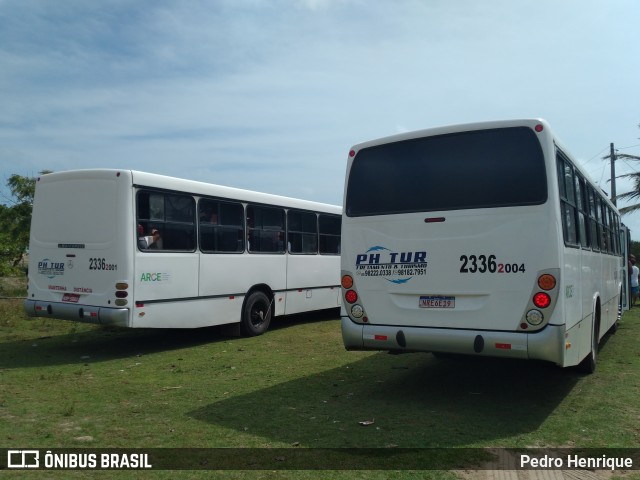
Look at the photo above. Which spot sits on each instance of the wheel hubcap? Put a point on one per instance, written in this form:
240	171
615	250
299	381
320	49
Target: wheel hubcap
257	316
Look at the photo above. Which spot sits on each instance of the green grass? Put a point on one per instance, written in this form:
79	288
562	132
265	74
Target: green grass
72	385
13	287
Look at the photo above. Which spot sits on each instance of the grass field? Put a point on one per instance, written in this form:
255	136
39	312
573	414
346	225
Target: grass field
72	385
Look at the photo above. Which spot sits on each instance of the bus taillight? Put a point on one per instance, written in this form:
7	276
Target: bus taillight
121	294
541	300
351	296
547	282
357	311
347	281
534	317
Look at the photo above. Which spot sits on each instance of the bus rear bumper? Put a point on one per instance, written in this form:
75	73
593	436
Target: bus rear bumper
547	344
78	313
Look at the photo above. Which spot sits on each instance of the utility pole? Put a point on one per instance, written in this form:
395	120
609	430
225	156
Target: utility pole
613	175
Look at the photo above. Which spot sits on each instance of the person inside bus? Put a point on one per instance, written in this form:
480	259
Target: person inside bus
152	241
208	216
634	282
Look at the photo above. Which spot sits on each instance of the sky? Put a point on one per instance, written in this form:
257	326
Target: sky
270	95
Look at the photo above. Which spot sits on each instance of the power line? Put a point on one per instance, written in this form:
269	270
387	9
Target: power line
630	146
595	155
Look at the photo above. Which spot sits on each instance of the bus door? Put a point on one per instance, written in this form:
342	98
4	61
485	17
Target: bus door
626	282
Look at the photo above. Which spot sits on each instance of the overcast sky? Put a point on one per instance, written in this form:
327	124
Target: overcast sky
270	95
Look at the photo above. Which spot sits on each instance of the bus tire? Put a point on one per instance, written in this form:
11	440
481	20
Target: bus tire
256	314
614	327
588	365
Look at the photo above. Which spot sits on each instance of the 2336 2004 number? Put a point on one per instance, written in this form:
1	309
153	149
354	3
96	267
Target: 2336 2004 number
488	263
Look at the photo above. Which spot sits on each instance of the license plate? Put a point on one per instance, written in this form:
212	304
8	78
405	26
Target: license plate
437	301
71	297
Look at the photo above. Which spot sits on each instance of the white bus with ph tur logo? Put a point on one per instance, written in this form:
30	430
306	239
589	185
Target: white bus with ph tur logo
136	249
480	239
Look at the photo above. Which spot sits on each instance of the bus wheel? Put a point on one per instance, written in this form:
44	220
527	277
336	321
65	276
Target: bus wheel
616	324
588	365
256	314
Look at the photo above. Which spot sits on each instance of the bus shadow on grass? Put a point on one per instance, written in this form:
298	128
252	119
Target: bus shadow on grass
97	344
411	401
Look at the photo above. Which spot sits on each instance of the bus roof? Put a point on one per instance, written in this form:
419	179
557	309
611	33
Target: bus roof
163	182
453	128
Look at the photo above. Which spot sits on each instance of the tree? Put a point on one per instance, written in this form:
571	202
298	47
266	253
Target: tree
633	194
15	222
634	248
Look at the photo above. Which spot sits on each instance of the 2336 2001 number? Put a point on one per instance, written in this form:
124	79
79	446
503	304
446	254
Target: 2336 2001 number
101	264
488	263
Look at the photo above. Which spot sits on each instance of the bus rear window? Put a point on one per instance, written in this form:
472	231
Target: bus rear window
477	169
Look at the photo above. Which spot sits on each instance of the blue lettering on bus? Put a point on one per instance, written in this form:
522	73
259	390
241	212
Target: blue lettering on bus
420	257
50	269
390	257
397	267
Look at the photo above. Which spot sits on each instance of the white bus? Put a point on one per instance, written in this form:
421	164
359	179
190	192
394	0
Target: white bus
219	255
480	239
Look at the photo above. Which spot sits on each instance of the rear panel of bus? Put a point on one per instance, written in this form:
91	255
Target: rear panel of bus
80	251
445	238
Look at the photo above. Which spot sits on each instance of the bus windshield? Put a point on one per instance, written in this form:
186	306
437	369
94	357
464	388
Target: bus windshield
474	169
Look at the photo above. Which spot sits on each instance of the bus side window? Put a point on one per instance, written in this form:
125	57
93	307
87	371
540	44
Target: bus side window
302	232
605	228
593	220
567	199
583	216
173	215
330	228
266	229
600	225
221	226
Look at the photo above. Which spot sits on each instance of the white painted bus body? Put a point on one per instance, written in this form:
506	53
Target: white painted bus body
85	263
476	272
